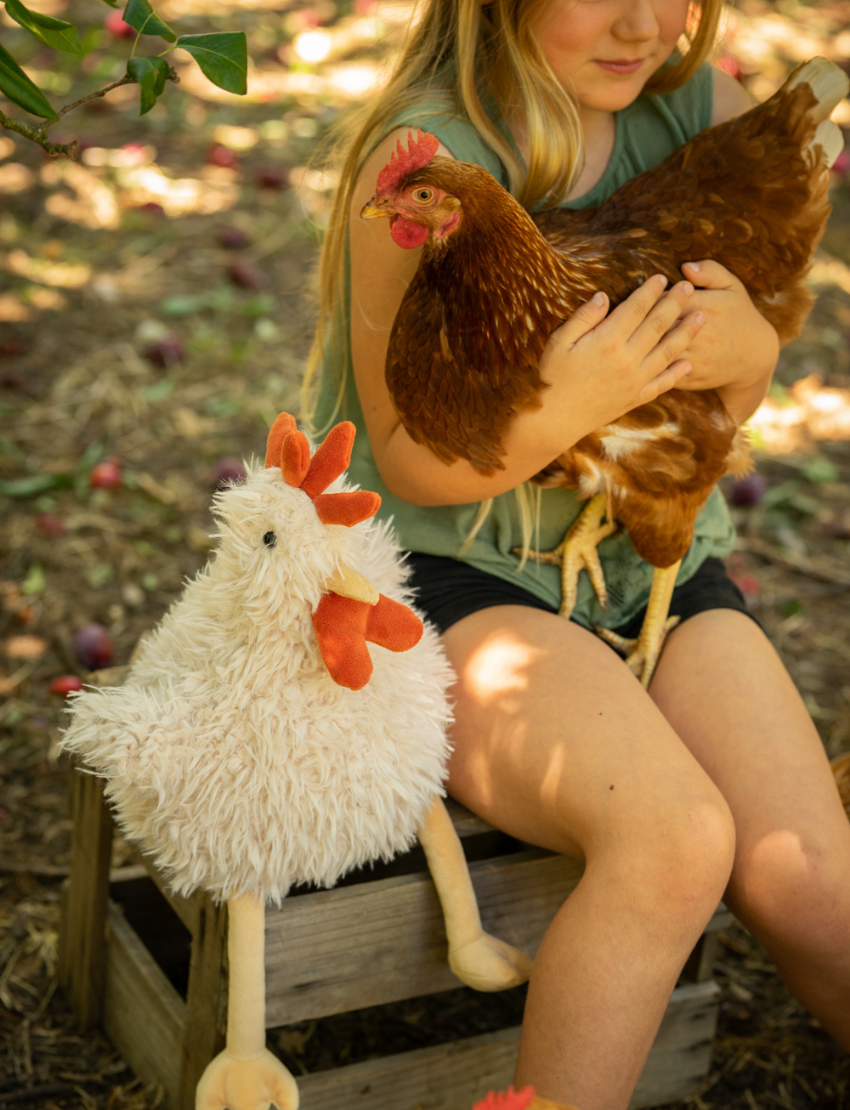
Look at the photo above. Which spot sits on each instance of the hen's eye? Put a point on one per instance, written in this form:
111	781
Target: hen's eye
423	195
269	539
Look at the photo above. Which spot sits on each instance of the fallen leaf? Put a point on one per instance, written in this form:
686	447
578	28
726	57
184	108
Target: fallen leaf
26	647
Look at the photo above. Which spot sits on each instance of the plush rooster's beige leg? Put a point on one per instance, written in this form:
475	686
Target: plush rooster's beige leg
578	549
642	654
476	958
246	1076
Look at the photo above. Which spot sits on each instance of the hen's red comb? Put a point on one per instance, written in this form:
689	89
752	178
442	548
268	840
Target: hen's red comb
419	153
289	449
510	1100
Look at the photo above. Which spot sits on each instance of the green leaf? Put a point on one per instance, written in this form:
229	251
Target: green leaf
151	74
52	32
223	58
15	84
35	484
142	18
820	470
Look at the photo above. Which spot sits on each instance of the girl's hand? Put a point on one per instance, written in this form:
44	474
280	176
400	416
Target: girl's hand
600	368
736	352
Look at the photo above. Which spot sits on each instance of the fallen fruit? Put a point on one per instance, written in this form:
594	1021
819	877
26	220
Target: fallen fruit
117	28
746	492
272	177
165	352
50	526
245	275
233	238
65	685
93	647
105	475
218	155
227	472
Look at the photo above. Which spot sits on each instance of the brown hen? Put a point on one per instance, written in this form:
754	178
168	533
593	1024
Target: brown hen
493	283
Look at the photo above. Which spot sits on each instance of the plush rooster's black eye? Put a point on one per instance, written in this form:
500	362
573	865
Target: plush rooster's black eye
269	539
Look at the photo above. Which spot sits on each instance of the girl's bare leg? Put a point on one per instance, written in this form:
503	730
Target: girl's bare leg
747	725
556	742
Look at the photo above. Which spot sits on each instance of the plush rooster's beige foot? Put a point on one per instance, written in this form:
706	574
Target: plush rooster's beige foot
577	550
642	654
231	1084
489	964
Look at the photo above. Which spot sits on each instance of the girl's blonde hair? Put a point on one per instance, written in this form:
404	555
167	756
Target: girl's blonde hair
457	50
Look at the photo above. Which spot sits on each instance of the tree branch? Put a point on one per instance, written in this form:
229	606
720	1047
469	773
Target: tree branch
38	134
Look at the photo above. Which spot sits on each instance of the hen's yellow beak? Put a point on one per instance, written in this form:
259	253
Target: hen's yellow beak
348	583
371	211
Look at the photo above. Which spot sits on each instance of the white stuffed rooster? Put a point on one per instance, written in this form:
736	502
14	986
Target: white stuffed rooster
257	743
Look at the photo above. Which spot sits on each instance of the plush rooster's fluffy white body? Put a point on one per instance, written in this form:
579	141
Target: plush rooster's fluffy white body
258	743
231	753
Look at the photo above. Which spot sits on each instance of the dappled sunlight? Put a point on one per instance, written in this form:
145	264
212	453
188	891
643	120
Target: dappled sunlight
177	196
63	274
92	203
811	412
15	178
499	668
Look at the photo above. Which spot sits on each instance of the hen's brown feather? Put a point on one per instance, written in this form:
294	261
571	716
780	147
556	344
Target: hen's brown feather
466	344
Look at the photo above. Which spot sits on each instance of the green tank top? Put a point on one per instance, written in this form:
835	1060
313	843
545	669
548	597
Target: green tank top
646	132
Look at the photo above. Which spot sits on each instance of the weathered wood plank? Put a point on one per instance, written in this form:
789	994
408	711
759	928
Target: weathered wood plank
206	1000
366	945
187	909
453	1076
142	1013
82	956
681	1054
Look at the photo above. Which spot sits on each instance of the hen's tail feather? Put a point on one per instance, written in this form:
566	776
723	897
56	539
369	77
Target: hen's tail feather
827	81
829	138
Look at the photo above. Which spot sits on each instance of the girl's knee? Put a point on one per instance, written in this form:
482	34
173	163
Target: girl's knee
680	865
793	892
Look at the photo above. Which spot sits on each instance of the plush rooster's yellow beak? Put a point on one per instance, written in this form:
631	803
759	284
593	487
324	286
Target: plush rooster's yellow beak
348	583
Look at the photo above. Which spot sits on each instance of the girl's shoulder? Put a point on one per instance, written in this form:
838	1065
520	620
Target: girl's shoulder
455	131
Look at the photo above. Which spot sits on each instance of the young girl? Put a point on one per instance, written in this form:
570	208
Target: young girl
714	784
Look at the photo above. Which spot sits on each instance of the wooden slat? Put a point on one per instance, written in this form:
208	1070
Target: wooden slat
187	909
454	1076
206	1000
379	942
82	968
142	1013
681	1054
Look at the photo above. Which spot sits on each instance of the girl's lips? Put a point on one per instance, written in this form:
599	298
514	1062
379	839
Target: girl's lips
620	66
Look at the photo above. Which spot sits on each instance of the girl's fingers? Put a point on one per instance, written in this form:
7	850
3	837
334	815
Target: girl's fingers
675	341
660	320
669	378
584	319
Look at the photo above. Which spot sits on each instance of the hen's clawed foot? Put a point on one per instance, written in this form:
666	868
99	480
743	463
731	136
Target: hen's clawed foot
577	551
489	964
641	654
255	1084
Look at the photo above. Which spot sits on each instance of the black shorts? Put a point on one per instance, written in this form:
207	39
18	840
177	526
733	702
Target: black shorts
448	590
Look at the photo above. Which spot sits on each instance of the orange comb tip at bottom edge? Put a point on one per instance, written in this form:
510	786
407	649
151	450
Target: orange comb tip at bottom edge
507	1100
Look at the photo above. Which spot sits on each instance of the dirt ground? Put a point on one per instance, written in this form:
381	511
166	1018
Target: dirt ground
154	311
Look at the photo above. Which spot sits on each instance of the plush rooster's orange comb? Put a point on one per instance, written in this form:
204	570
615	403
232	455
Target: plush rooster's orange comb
343	624
288	448
507	1100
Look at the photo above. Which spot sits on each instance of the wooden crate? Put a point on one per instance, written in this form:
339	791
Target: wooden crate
376	938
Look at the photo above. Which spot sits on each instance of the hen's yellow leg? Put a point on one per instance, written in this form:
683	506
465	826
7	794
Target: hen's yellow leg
642	654
478	959
577	550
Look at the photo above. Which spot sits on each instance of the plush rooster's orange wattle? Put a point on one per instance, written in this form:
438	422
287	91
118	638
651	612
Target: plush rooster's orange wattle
352	612
493	283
